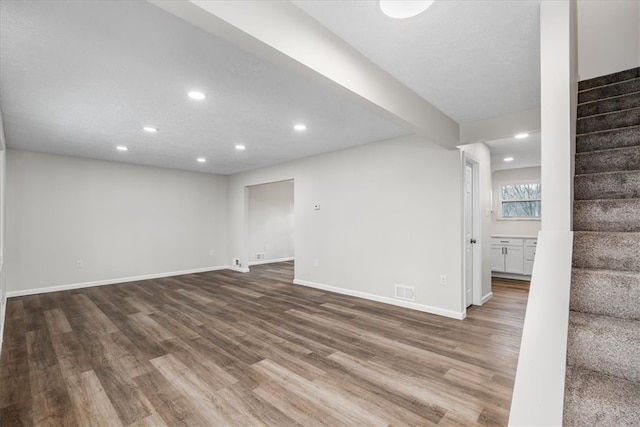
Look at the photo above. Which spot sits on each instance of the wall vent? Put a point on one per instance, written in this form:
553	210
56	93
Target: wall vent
259	256
405	292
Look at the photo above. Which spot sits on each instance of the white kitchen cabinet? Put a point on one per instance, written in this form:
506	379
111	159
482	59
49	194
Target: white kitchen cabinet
512	255
529	255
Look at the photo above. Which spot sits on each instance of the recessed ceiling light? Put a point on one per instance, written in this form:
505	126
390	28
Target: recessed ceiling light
508	159
196	95
300	127
201	159
122	148
522	135
150	129
240	147
401	9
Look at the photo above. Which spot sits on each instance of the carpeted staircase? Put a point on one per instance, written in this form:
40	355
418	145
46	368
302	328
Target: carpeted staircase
603	356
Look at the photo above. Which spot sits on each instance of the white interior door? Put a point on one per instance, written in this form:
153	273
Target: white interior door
468	230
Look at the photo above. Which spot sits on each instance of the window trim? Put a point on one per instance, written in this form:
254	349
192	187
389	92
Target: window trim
501	185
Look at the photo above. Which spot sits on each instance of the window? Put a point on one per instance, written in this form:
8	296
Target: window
521	201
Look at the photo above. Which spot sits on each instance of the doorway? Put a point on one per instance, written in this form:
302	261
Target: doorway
472	232
270	222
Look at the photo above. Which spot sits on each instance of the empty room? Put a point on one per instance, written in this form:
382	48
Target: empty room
309	212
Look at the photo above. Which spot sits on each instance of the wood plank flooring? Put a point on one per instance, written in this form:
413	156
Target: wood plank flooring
225	348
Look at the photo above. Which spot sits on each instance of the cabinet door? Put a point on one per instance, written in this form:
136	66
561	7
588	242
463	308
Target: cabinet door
497	259
528	267
514	260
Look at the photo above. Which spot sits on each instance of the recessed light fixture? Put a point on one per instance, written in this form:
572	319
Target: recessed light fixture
508	159
522	135
150	129
201	159
122	148
196	95
300	127
240	147
401	9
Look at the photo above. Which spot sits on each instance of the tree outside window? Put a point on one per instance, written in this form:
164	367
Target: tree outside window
521	201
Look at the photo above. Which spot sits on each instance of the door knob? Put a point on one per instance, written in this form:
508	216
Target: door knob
473	240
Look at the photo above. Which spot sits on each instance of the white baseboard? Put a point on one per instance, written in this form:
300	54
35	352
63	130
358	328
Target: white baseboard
270	261
511	276
386	300
113	281
237	269
486	298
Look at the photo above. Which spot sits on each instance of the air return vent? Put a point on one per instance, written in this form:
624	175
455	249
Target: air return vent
405	292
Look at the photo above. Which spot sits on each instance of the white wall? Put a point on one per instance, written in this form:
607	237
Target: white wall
121	220
481	154
390	213
520	227
271	220
608	36
3	286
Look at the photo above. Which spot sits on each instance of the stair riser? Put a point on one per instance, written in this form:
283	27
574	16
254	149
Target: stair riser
606	293
609	105
615	120
607	215
609	79
616	89
614	185
618	138
624	159
607	251
593	399
604	344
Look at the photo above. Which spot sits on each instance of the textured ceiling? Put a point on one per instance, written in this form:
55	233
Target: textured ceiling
79	78
473	59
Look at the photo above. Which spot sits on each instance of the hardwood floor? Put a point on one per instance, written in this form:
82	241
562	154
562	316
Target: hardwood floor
226	348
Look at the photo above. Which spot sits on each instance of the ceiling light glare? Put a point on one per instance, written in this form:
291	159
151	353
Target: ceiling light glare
522	135
508	159
401	9
201	160
196	95
240	147
300	127
150	129
122	148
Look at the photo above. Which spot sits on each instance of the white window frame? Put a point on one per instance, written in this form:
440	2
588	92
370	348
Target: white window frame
501	201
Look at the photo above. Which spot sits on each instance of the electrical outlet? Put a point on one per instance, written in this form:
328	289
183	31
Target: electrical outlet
212	252
79	263
443	280
316	262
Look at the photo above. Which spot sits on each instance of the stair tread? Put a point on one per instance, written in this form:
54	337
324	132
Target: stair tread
609	90
631	172
608	105
592	399
604	344
609	150
610	78
606	113
609	120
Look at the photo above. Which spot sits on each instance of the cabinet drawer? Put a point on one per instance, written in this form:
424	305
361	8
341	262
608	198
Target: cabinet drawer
505	241
529	253
530	242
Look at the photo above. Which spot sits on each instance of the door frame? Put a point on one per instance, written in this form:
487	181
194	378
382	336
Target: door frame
468	159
